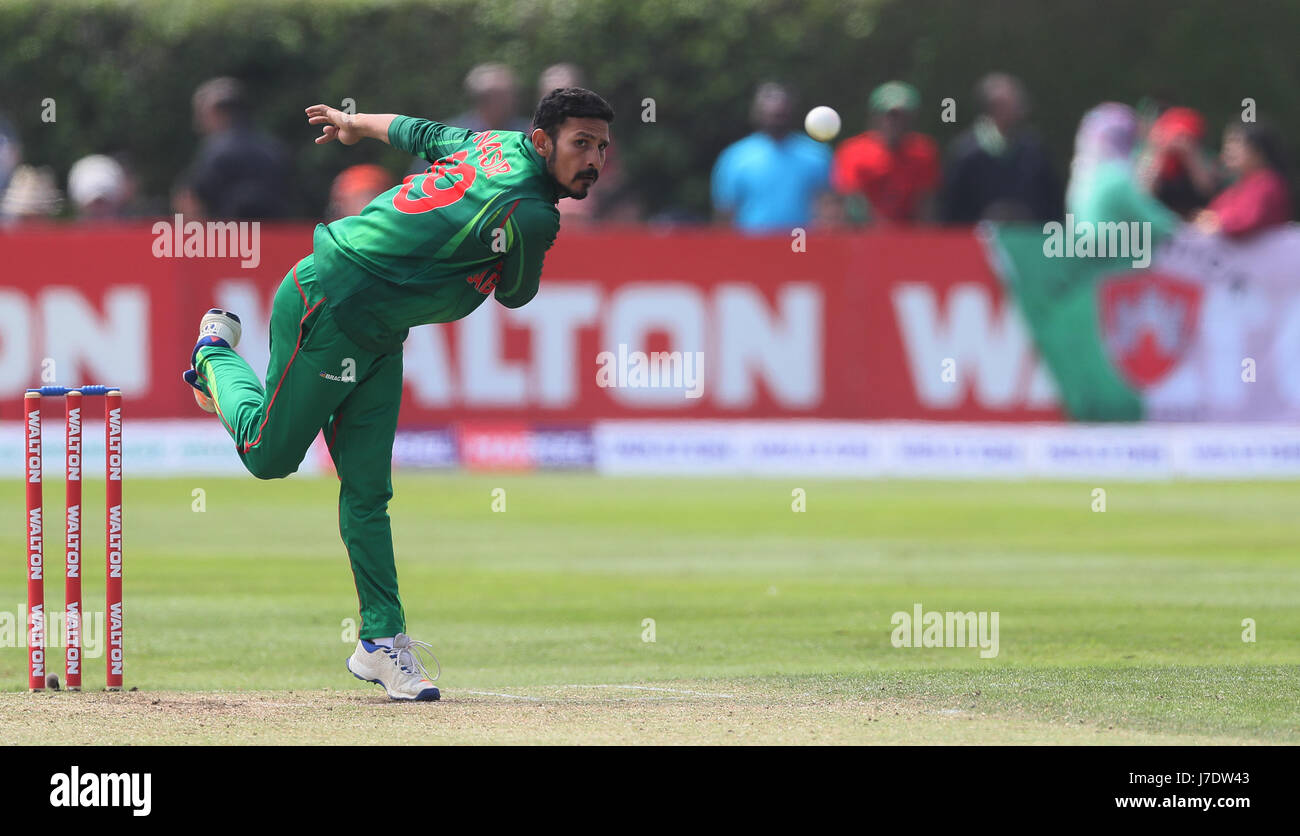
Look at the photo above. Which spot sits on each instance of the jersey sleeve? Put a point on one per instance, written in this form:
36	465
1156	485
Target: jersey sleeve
531	227
425	137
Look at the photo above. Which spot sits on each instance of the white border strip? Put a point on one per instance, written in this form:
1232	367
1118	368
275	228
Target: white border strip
941	450
649	688
495	694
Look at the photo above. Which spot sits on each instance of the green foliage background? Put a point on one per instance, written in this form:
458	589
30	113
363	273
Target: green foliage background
122	73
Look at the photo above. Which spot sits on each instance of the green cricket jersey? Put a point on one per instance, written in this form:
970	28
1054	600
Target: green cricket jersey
431	249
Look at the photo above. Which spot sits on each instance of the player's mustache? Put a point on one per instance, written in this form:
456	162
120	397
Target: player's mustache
590	174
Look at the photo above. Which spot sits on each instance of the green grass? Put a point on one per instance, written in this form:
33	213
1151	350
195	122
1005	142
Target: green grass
1128	620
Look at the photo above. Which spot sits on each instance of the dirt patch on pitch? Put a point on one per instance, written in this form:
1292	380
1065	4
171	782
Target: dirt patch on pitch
667	713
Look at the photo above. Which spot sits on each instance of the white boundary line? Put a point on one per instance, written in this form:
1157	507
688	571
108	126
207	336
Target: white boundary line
649	688
498	694
610	687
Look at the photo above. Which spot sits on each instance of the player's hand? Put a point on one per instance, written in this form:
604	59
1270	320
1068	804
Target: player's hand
338	124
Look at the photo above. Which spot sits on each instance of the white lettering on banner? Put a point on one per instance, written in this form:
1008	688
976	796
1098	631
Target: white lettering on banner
554	319
785	348
993	351
782	347
757	341
636	311
86	346
15	340
487	378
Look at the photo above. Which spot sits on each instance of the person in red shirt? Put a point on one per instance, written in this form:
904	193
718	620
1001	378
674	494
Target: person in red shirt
355	187
896	170
1260	197
1173	167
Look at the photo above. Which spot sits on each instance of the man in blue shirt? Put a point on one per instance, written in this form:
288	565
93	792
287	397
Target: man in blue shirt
769	181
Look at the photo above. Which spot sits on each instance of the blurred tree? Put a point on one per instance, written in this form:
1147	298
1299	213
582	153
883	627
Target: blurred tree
122	73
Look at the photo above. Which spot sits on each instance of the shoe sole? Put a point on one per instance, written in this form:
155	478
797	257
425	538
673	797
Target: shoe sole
437	695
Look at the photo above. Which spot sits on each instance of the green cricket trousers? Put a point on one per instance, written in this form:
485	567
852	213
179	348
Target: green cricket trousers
319	380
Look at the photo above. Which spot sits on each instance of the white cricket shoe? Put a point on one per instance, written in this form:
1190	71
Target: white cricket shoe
397	668
221	324
217	327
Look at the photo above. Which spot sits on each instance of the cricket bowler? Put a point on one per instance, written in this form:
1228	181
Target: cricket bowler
477	222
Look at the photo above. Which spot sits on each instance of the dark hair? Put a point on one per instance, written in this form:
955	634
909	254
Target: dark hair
564	102
1265	141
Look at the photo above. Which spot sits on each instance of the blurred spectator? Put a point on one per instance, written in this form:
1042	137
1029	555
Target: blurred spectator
494	105
25	191
769	181
609	200
355	187
563	74
11	152
1260	198
1178	172
999	169
491	89
1103	183
893	168
239	173
99	188
31	194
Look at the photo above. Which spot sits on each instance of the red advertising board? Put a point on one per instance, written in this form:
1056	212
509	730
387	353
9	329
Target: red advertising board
875	325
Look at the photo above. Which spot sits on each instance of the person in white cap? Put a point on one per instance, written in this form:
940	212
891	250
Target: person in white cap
98	187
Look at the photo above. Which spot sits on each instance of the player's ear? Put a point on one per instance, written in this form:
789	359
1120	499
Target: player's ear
541	141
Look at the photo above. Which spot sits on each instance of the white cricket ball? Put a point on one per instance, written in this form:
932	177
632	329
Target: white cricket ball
822	123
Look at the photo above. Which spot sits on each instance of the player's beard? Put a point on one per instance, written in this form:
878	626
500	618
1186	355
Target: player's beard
550	163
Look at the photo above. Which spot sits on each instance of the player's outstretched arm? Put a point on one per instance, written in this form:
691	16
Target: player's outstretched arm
348	128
